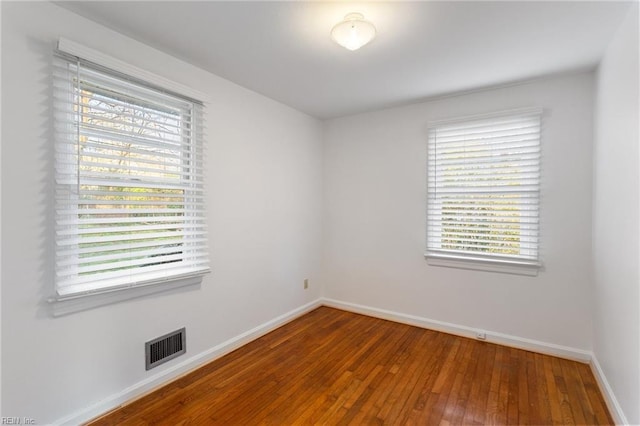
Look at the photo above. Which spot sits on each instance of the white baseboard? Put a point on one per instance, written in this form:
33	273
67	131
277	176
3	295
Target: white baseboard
464	331
612	402
145	386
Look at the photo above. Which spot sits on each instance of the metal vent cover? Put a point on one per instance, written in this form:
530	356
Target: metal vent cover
165	348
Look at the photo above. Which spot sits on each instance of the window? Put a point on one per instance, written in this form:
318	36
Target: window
483	191
129	182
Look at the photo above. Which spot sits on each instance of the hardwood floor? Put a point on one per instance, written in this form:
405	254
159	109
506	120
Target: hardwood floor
334	367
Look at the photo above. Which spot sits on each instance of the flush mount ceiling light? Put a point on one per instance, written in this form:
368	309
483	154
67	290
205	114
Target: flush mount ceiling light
354	32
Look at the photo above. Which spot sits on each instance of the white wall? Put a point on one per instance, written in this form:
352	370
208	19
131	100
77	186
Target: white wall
616	218
374	229
264	195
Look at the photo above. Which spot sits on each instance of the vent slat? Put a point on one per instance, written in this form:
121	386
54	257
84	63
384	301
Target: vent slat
165	348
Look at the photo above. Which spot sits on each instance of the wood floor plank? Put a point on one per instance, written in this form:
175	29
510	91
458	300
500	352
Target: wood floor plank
544	402
475	381
513	393
482	399
456	402
578	400
523	391
468	373
555	399
494	401
600	411
561	386
331	367
533	407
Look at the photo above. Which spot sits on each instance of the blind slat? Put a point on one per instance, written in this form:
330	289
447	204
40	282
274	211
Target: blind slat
505	189
489	158
470	220
114	179
100	219
109	146
112	266
125	238
74	252
129	229
123	255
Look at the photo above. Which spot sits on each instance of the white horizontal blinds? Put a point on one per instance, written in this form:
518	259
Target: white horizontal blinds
129	181
483	188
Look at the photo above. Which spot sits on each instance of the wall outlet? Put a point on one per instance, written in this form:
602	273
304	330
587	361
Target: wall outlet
481	335
306	283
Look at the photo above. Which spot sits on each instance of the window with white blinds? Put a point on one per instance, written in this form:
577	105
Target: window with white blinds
483	189
129	181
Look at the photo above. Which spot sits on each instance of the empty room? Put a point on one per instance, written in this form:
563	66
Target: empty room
282	213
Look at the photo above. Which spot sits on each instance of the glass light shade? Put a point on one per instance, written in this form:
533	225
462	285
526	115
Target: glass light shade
354	32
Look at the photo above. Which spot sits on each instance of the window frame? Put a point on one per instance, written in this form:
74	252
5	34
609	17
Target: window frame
77	301
477	260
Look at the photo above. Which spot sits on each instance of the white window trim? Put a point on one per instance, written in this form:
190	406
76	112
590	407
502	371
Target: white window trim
484	116
516	267
478	263
99	58
83	301
63	305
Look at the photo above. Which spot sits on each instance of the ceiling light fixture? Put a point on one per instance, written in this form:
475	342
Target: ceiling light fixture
354	32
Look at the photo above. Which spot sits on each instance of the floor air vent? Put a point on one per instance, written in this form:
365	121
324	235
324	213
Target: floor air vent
165	348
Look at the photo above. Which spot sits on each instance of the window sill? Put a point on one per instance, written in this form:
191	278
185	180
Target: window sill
70	304
480	264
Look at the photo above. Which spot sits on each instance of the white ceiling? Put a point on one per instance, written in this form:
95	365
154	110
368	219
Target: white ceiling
423	49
